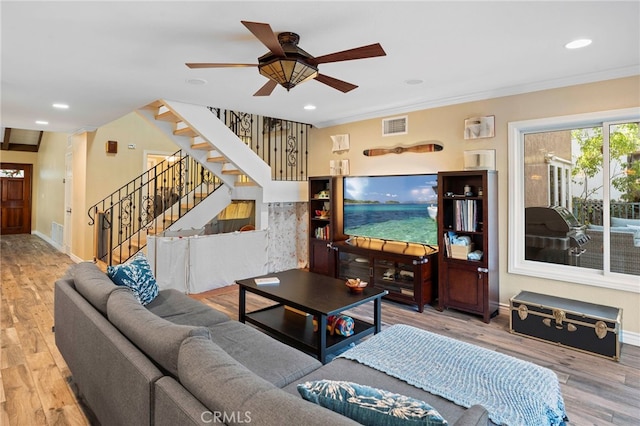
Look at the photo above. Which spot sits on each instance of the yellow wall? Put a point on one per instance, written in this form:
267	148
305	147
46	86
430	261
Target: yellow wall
49	175
26	158
108	172
446	124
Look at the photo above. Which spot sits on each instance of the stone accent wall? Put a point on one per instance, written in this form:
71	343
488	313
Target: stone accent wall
287	234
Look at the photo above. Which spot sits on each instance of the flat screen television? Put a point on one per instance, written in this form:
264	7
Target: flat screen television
395	208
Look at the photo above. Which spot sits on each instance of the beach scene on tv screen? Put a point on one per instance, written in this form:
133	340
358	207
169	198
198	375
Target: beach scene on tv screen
396	208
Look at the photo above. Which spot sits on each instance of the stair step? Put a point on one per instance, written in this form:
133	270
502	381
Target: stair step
154	105
168	116
185	131
191	203
231	172
156	230
217	159
202	145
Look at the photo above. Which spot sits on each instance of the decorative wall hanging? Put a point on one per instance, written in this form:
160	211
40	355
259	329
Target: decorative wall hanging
340	143
111	147
338	167
482	159
427	147
479	127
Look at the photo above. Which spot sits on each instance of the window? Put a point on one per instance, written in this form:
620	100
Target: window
12	173
574	198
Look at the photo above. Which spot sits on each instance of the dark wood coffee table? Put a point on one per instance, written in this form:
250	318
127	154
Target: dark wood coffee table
314	294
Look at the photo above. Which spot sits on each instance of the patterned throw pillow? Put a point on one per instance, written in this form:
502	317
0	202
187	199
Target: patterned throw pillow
370	406
136	275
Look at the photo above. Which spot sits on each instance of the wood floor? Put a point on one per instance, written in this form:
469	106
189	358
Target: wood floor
36	387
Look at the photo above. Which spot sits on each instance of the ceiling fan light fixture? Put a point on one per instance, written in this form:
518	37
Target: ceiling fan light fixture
288	65
288	72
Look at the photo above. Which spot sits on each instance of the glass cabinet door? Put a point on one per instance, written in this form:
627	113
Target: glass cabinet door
396	277
353	265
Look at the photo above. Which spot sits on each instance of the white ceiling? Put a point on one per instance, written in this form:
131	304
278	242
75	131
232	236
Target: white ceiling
106	59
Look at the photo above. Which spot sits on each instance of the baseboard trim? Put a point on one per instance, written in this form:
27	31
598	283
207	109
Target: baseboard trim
57	246
48	240
627	337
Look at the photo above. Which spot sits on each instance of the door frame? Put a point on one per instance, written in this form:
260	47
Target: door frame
68	202
28	177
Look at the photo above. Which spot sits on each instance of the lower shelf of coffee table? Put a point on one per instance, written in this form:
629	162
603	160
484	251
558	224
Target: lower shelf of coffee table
296	329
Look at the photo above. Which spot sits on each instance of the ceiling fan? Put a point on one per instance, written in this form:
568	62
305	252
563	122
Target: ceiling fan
288	65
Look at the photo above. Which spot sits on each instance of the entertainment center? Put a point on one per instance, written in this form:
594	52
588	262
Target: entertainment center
407	269
381	229
408	278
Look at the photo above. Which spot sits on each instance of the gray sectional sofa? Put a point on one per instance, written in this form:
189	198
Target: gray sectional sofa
177	361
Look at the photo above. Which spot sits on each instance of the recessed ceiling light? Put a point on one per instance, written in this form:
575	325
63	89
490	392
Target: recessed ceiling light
41	122
196	81
61	106
577	44
309	107
414	81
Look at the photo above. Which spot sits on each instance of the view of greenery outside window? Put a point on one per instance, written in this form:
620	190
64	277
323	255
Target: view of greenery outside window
594	174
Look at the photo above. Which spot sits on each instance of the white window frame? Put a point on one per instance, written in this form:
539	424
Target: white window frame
517	264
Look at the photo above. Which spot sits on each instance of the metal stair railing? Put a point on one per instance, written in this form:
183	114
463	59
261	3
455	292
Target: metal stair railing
282	144
149	203
158	197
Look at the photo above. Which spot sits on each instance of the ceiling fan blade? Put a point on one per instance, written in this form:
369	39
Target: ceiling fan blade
264	33
363	52
340	85
266	89
214	65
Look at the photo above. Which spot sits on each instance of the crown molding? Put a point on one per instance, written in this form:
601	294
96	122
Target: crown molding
489	94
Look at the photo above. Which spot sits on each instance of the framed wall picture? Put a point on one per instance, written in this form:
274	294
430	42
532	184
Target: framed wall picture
111	147
480	127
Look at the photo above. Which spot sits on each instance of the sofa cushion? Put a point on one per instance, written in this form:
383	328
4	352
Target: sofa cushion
618	221
345	369
179	308
136	275
268	358
368	405
158	338
225	386
93	285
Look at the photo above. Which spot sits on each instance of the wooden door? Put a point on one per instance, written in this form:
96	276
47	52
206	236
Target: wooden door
15	204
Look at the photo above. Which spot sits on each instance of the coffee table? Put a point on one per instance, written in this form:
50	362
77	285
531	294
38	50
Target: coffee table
314	294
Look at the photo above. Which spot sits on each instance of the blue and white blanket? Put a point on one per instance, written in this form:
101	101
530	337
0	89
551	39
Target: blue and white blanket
514	392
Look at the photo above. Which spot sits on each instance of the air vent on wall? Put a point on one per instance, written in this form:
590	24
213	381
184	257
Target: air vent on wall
395	126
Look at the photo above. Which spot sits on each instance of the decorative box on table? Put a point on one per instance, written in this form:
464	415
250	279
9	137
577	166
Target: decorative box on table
578	325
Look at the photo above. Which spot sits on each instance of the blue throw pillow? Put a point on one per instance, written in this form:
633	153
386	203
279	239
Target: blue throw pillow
136	275
370	406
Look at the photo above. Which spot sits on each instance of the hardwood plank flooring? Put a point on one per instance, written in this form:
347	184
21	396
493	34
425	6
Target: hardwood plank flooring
36	387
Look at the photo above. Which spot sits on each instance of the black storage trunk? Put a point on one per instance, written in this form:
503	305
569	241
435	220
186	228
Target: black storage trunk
578	325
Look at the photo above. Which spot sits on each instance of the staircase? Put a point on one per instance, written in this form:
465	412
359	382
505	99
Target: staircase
223	157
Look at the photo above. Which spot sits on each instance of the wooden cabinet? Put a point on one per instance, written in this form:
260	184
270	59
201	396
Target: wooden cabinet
468	211
408	278
325	222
